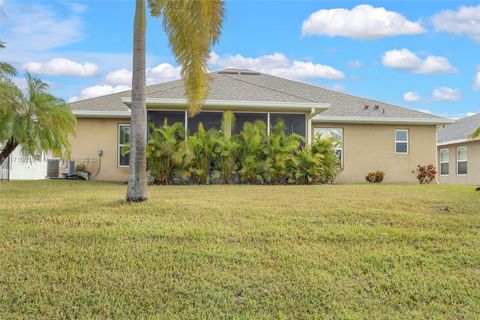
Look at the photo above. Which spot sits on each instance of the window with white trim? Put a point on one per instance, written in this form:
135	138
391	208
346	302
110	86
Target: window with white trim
123	145
337	135
444	162
462	161
401	141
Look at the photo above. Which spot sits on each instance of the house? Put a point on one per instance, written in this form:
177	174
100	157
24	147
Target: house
458	155
20	167
374	135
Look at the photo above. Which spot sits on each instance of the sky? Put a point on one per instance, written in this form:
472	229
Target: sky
421	55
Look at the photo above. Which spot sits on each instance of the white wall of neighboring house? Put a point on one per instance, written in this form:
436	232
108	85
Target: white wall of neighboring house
27	168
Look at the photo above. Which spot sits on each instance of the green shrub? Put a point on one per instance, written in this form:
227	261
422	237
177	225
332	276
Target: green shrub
280	152
204	147
254	165
167	156
330	162
252	156
229	150
307	166
375	177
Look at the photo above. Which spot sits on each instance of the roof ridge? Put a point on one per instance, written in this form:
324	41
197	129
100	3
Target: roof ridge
347	94
271	89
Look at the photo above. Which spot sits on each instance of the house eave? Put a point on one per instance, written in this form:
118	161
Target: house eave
181	104
446	143
384	120
101	114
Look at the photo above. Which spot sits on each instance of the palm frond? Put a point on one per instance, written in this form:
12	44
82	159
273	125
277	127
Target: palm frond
475	134
192	27
5	68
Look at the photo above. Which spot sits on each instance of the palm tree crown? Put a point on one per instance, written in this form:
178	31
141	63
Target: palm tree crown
33	119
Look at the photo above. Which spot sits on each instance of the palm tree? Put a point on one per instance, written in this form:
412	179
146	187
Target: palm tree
192	27
5	68
35	120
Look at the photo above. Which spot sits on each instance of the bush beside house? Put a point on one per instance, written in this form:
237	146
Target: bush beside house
251	156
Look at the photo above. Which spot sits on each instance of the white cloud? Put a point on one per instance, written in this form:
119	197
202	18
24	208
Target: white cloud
438	95
412	96
476	81
362	22
279	65
404	59
464	21
161	73
118	77
98	90
39	28
62	67
355	64
121	80
446	94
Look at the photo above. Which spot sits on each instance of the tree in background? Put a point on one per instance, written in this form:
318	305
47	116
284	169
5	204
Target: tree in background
192	28
33	119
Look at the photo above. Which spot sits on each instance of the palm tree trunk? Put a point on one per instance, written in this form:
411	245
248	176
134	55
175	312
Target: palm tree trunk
137	182
7	150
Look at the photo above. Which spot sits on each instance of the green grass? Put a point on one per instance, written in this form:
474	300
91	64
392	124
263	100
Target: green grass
76	250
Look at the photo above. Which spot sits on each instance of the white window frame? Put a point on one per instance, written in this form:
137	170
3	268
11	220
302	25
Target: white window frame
120	125
338	147
443	162
458	149
402	141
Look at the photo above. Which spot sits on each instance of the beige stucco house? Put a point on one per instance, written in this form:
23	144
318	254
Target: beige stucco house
458	155
375	135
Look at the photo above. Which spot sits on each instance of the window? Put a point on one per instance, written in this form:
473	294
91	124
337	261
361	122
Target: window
123	145
335	133
401	141
444	162
462	163
294	123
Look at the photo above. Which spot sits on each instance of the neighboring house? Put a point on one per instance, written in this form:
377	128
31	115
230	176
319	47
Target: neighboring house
374	135
20	167
458	155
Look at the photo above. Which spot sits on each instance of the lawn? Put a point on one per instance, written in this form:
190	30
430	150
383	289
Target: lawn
73	249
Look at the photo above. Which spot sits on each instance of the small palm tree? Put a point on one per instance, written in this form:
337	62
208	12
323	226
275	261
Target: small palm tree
35	120
204	146
192	27
166	155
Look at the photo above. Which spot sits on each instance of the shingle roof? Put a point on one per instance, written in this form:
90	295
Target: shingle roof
459	130
247	85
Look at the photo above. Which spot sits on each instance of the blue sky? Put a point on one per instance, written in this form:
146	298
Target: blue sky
421	55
